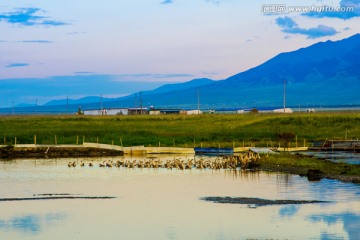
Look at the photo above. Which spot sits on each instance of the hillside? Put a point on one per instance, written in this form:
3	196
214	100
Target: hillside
326	73
323	74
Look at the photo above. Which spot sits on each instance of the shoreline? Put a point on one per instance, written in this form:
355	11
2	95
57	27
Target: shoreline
313	168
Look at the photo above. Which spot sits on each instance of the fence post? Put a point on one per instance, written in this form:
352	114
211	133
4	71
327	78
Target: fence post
55	140
121	143
35	139
83	139
346	134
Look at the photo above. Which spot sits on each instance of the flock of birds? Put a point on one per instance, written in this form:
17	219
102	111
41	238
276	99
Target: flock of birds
225	162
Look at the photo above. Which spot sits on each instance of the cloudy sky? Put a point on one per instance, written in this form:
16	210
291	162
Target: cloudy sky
54	49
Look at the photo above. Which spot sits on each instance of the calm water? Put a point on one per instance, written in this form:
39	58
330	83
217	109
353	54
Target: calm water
164	204
335	156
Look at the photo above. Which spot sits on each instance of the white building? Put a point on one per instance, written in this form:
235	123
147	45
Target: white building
194	112
154	112
104	112
281	110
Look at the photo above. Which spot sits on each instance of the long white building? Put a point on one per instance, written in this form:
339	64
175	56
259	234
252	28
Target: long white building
105	112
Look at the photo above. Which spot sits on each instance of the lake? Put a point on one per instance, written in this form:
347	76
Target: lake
165	204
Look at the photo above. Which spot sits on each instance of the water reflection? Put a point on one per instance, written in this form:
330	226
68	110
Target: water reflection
289	211
31	224
350	222
24	224
337	156
164	204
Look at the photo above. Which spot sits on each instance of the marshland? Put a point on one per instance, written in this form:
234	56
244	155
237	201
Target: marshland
181	130
162	196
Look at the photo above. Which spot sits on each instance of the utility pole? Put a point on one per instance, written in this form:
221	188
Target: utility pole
140	103
284	96
198	101
136	103
101	103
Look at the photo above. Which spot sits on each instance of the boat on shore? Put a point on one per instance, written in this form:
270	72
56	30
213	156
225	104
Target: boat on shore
214	151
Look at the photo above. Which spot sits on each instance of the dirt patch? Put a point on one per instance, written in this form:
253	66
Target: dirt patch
55	152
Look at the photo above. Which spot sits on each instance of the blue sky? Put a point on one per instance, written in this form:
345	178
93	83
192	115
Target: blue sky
115	47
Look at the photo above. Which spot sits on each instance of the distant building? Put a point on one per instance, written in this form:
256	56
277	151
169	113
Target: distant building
137	111
310	110
194	112
173	111
154	112
104	112
282	110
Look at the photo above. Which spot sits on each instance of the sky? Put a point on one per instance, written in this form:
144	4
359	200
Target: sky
58	49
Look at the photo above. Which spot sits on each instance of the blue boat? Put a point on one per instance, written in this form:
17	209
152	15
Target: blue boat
214	151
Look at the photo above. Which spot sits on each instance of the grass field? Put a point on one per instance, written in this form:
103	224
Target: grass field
181	130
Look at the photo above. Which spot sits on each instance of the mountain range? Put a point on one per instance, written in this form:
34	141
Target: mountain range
326	74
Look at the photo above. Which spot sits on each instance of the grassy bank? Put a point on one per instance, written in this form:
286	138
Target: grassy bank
180	130
297	164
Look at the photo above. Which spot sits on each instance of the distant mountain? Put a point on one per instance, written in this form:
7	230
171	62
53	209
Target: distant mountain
315	63
182	86
326	73
323	74
84	100
25	105
94	100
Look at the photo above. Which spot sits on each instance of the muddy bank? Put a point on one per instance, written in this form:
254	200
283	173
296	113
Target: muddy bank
311	174
257	202
56	152
38	197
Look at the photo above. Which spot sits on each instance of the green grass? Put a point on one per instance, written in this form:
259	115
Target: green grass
181	130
